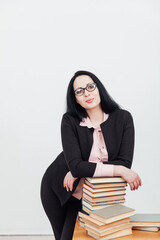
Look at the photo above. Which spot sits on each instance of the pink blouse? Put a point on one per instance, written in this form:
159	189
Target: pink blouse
98	155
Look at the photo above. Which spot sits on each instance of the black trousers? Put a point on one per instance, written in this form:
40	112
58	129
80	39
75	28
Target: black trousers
62	218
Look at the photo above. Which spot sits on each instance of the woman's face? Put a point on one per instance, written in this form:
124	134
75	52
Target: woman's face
89	100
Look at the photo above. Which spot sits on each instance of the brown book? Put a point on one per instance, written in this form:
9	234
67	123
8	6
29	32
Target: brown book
105	179
87	210
102	233
121	233
103	204
99	206
103	194
148	220
112	213
84	215
91	223
80	219
80	222
148	229
93	190
85	218
102	199
95	208
106	185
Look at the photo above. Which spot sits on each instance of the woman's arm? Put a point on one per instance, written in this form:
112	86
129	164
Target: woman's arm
125	154
123	161
80	168
72	153
129	176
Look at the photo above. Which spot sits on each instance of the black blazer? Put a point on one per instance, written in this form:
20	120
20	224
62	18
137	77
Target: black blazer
118	132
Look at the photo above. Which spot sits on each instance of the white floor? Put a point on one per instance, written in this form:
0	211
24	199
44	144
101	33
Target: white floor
21	237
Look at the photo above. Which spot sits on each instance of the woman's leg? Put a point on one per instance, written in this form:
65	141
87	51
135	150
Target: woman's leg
53	209
62	218
73	206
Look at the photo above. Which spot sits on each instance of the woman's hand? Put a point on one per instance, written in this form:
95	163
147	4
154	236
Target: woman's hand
68	181
129	176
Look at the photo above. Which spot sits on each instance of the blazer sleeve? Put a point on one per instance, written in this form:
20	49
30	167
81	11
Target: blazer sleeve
72	153
125	154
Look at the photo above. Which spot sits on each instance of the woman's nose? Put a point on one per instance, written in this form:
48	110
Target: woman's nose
86	93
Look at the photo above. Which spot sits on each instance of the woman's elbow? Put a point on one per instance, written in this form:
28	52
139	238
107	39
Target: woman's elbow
75	173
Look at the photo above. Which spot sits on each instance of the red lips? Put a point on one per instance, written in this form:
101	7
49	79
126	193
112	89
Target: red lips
90	100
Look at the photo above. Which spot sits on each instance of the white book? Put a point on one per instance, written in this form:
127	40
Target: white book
149	219
122	233
105	179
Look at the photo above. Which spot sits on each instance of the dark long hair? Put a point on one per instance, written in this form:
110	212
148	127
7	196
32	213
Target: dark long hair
108	105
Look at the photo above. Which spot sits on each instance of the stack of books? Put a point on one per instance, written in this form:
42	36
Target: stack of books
107	223
146	222
101	192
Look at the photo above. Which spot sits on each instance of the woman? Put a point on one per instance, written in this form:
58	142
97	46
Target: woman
98	140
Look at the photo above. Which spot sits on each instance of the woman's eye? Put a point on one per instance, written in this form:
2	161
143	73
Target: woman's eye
79	91
91	86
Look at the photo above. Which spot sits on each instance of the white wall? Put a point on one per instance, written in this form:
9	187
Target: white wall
42	44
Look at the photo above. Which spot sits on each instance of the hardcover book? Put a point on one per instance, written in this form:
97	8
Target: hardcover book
91	223
102	199
104	193
148	229
105	189
94	206
101	233
151	219
85	218
105	179
121	233
105	185
112	213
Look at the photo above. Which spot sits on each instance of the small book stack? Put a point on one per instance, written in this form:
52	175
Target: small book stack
146	222
101	192
107	223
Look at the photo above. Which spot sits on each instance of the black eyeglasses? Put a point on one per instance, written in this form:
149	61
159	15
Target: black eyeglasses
90	88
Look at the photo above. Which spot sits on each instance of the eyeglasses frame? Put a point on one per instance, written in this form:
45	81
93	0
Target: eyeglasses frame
85	88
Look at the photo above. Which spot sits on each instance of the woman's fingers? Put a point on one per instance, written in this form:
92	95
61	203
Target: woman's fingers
71	184
132	178
64	183
68	185
135	184
131	186
140	182
68	181
71	187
